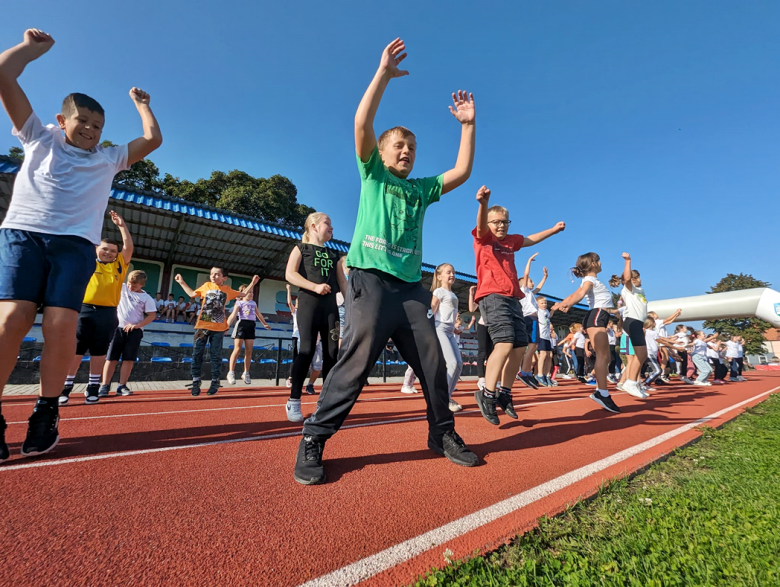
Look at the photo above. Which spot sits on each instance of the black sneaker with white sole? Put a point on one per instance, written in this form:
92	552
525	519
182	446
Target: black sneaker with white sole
195	387
505	401
123	390
605	402
454	449
65	395
91	394
529	381
42	433
4	454
104	390
308	461
214	387
488	407
310	389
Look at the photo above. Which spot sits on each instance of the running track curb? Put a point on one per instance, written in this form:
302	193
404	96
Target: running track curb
371	566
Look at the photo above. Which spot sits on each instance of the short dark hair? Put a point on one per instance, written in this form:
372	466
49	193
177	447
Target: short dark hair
222	269
74	101
112	241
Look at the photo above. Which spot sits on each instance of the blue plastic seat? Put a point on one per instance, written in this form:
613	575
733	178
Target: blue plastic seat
187	360
186	345
239	361
84	359
286	361
267	361
161	344
29	339
38	358
162	360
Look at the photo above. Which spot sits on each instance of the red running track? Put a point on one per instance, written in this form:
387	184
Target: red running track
164	489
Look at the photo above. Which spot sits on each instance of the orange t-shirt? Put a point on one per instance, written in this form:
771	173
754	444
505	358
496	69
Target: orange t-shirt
214	298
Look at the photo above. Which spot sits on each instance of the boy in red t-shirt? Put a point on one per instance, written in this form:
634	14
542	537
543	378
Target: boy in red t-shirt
498	295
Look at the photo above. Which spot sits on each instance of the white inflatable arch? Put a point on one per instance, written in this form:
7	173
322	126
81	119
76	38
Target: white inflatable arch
760	302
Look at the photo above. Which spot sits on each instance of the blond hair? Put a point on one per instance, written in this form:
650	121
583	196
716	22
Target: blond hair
136	276
313	218
436	282
388	134
498	210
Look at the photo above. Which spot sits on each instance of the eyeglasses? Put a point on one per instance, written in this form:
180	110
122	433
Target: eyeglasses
500	222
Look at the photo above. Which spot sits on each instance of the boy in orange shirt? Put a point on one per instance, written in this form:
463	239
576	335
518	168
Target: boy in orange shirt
211	324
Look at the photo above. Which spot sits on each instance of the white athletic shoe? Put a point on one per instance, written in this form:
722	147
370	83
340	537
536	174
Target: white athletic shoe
294	410
702	383
455	406
632	388
481	383
619	385
231	377
247	378
288	383
407	389
564	376
686	380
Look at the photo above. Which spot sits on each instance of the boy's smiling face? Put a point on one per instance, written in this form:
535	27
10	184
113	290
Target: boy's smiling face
498	222
398	154
83	128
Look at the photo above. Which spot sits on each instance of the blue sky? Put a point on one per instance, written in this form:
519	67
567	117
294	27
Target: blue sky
647	127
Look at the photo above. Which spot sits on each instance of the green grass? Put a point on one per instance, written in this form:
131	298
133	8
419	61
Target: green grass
709	515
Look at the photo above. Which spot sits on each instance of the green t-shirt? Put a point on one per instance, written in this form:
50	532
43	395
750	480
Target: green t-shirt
388	231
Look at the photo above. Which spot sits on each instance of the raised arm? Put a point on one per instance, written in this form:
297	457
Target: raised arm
365	139
626	277
127	239
473	306
483	197
465	113
152	139
471	322
248	288
673	317
535	239
542	282
233	315
12	64
190	292
527	273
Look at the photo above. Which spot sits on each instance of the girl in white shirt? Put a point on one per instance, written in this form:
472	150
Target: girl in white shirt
698	354
531	317
660	331
444	305
683	340
634	317
578	343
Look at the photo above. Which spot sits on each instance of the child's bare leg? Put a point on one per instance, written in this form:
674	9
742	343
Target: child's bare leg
124	372
248	344
512	365
313	376
108	371
96	365
16	319
601	344
496	364
59	335
635	368
543	363
234	355
528	360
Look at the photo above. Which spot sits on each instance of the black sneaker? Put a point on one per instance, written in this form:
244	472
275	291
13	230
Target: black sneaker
65	395
91	394
123	390
42	434
582	380
605	402
214	387
454	449
530	381
488	407
308	462
310	389
104	390
505	401
4	454
195	387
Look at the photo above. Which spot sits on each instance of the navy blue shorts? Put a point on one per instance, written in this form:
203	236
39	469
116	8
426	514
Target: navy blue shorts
545	344
532	328
50	270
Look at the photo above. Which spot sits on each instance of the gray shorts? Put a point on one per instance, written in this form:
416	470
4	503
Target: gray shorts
504	319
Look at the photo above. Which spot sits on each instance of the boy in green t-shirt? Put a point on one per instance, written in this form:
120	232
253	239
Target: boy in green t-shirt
385	298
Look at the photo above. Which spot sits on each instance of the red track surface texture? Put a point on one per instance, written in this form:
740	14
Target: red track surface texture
164	489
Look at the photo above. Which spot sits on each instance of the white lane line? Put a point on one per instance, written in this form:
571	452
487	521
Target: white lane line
395	555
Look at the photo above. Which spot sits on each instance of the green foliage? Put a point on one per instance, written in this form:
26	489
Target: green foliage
16	152
751	329
710	515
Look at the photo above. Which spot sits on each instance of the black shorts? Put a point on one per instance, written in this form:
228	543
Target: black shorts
245	330
95	330
125	345
635	330
532	328
504	319
597	318
544	345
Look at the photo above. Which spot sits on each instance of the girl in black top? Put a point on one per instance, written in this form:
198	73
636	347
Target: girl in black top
319	275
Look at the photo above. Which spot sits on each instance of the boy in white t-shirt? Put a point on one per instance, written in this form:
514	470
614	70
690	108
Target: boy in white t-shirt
136	309
159	303
48	236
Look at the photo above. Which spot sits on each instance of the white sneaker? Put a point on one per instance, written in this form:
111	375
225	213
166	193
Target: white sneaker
620	385
632	388
247	378
455	406
686	380
231	377
702	383
294	410
407	389
288	383
481	383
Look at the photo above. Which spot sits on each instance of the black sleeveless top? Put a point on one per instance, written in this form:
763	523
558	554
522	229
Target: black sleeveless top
318	265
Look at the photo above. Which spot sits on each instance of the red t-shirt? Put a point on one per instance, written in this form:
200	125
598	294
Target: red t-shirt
496	272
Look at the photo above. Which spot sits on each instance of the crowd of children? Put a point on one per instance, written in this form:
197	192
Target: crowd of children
342	324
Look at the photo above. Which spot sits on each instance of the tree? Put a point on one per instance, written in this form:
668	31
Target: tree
751	329
16	152
142	175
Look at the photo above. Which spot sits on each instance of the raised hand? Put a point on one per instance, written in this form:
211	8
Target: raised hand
138	96
559	227
392	56
179	278
117	219
544	271
533	257
37	42
483	195
626	256
464	107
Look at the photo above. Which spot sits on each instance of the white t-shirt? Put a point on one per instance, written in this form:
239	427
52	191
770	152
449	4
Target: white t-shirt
740	350
159	304
712	352
598	296
194	307
682	340
650	341
611	338
182	306
447	312
339	298
732	350
579	340
133	305
61	189
530	307
699	348
660	329
544	324
635	303
170	304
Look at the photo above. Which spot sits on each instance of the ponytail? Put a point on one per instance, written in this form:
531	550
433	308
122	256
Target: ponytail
436	282
313	218
585	264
